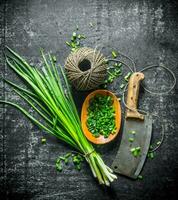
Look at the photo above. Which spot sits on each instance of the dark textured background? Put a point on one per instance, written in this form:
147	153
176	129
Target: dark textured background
145	30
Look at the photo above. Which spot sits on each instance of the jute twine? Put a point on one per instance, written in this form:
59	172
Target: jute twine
90	78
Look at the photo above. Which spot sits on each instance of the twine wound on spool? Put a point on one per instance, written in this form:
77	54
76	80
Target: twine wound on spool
86	68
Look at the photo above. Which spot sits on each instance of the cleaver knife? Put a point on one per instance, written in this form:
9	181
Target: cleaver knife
136	126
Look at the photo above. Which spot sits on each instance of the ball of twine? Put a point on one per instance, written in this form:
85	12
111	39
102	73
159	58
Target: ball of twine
86	68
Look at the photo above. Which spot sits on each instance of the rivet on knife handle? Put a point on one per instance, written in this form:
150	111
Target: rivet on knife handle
132	96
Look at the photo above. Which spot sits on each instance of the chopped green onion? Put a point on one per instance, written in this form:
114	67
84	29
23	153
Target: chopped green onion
106	61
122	86
79	36
114	54
66	160
135	151
158	143
78	167
131	139
62	158
101	116
75	41
82	36
73	44
116	64
132	132
58	165
68	43
132	150
74	34
150	155
113	71
140	177
127	76
54	58
91	24
68	155
73	49
43	140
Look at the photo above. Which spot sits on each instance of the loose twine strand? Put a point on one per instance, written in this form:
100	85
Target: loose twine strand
147	90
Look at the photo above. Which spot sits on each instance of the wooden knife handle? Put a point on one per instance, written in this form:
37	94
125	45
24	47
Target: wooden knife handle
132	96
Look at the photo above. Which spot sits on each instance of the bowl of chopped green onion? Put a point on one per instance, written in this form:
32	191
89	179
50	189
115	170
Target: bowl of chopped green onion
101	116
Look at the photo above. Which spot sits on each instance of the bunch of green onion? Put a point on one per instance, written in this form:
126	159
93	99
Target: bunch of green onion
49	95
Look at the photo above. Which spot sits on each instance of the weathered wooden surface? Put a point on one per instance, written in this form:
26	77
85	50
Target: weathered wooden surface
145	30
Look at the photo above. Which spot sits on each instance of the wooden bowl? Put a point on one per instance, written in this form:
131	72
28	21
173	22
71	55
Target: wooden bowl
117	107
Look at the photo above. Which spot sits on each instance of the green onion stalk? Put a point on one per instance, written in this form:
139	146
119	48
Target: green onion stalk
50	97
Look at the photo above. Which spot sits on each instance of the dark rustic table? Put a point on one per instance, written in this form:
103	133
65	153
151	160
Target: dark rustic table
145	30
